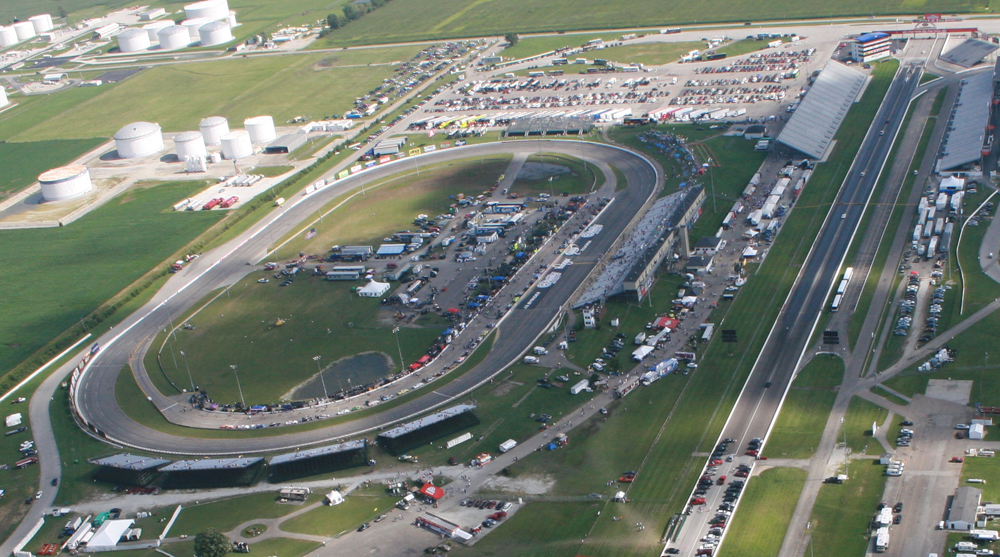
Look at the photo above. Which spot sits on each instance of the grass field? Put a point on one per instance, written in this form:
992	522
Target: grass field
650	54
857	426
741	47
179	96
581	178
23	162
765	511
95	261
843	512
540	529
332	521
428	19
226	514
34	110
806	408
984	468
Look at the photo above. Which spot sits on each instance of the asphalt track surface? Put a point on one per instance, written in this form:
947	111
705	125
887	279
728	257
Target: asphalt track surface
758	405
95	394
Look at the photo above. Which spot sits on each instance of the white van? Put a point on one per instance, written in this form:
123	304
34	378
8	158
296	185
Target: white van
540	350
530	360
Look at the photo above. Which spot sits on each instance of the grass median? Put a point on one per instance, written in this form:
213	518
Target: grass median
765	511
807	406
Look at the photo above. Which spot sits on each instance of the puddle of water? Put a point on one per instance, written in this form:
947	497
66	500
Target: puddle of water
346	372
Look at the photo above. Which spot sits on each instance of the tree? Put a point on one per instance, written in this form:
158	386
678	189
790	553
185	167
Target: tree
62	13
212	543
333	20
352	12
511	39
377	3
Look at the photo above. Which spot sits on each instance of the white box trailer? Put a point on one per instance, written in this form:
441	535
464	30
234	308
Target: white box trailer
640	339
507	445
719	114
932	247
917	231
579	387
939	225
941	202
728	221
754	218
769	208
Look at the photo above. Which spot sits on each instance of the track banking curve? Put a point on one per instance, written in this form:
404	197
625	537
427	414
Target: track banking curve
764	391
95	396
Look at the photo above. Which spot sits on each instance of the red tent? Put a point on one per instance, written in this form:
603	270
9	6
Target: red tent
432	491
666	323
454	310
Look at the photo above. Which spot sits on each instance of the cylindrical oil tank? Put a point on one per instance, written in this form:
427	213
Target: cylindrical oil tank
24	30
190	144
236	145
215	33
153	28
66	182
3	96
192	25
42	23
213	128
8	37
173	37
211	9
139	139
133	40
260	128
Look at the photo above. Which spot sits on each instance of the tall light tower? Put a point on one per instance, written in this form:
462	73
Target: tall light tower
321	379
238	386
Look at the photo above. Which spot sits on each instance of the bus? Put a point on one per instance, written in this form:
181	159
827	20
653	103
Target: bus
836	302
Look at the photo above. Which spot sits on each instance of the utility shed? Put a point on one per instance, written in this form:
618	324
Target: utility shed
813	125
964	508
286	143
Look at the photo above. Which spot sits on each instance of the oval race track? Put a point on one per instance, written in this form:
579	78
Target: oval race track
95	394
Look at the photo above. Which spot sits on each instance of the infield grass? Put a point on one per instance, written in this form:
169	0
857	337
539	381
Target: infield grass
330	521
765	511
540	529
842	513
581	178
807	406
857	426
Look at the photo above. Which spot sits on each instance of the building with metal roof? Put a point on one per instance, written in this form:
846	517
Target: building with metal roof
964	508
427	429
871	46
963	143
814	124
286	143
969	52
319	460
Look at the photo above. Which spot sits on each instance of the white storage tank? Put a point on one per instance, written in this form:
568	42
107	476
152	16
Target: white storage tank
192	25
210	9
67	182
24	30
260	128
133	40
173	37
42	23
8	37
215	33
139	139
153	28
231	20
213	128
236	145
3	96
190	144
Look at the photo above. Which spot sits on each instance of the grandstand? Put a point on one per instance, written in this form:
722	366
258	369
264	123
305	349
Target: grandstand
549	125
319	460
633	265
221	472
128	469
420	432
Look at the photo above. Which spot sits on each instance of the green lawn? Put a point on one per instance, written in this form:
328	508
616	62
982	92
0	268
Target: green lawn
765	511
226	514
236	88
95	261
33	110
806	408
973	362
741	47
858	426
571	176
539	529
842	513
332	521
532	46
23	162
437	19
984	468
650	54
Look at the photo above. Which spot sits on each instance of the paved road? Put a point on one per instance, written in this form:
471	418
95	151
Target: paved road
96	394
764	390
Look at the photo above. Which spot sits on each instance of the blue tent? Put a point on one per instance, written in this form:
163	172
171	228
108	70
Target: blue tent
552	446
482	297
499	279
472	305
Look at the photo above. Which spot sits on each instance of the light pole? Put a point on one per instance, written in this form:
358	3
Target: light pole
238	386
183	355
321	379
394	331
